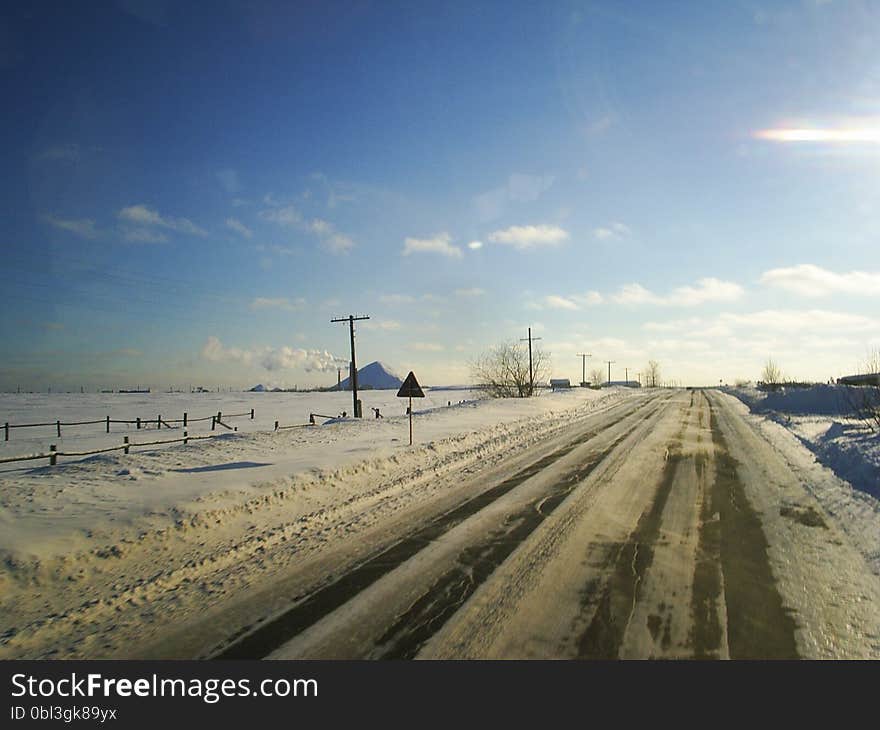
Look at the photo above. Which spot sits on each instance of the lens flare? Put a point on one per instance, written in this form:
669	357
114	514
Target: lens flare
807	134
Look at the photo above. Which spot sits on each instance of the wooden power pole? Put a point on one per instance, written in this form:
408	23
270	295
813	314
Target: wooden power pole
584	356
610	363
531	373
351	319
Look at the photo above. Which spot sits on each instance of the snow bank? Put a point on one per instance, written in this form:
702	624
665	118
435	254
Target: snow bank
824	400
823	419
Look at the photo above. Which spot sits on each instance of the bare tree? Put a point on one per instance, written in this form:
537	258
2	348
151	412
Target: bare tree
771	375
864	400
597	375
652	373
503	370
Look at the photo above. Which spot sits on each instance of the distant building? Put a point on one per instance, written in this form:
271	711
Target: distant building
623	383
867	379
560	383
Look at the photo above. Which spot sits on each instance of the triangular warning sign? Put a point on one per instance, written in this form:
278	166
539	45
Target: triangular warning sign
410	387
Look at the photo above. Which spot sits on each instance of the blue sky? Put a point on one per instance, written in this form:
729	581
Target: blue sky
193	191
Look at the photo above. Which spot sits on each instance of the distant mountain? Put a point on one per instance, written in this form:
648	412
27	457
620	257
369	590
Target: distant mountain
376	375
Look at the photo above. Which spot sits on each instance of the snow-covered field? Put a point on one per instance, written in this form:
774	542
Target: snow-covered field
822	418
86	542
286	408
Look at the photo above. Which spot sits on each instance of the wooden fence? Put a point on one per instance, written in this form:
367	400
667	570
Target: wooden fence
138	422
53	454
216	420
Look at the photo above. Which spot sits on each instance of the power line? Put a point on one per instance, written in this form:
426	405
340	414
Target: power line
351	319
584	356
531	374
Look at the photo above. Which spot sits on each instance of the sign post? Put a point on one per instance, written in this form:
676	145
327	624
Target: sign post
410	389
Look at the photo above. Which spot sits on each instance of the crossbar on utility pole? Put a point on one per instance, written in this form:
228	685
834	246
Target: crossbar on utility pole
531	374
584	356
351	319
610	363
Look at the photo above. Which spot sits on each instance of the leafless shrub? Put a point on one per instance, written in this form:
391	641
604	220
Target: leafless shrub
503	370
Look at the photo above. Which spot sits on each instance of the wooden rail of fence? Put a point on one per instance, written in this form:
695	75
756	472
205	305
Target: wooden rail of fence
138	422
53	454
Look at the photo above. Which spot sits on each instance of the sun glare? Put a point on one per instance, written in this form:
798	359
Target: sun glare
805	134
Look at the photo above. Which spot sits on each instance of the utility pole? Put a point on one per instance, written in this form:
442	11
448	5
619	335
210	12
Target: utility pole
626	375
584	356
610	363
351	319
531	374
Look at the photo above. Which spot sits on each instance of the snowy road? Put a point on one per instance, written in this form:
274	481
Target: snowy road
582	524
661	527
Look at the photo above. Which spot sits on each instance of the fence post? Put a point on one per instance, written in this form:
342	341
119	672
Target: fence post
53	457
185	438
6	430
125	439
159	422
184	419
108	424
276	425
213	422
139	423
58	426
252	414
219	417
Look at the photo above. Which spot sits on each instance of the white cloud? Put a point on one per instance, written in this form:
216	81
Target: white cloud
523	237
214	351
615	230
143	235
813	281
282	303
441	243
83	227
572	302
331	239
707	290
274	358
469	293
239	227
286	358
283	216
557	302
475	245
796	320
338	243
143	216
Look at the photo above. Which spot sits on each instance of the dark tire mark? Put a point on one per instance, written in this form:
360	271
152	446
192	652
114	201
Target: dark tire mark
758	625
603	637
707	632
474	565
273	633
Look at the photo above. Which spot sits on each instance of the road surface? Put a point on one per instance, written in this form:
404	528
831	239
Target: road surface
662	527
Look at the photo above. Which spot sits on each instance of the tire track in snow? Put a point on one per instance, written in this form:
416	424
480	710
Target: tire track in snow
270	635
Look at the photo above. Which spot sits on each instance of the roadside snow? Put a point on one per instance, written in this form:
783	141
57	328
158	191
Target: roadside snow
822	418
841	469
94	552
